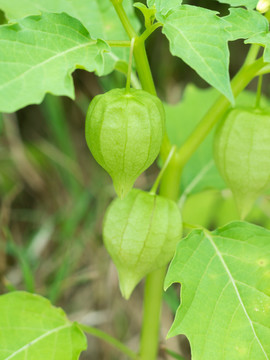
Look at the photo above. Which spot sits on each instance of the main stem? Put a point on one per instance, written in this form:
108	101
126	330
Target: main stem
154	281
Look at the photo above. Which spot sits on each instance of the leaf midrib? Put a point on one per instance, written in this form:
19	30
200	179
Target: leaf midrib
47	61
209	237
32	342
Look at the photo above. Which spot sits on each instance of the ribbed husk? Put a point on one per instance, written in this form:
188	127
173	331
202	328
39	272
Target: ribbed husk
141	233
242	154
124	132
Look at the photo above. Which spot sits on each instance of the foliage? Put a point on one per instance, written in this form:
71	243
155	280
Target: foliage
39	328
234	321
224	274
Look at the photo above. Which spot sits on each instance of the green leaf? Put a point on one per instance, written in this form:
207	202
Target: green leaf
31	328
38	56
245	23
199	37
225	292
98	17
250	4
164	6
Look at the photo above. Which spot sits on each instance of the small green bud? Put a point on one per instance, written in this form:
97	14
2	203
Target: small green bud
141	233
242	154
124	131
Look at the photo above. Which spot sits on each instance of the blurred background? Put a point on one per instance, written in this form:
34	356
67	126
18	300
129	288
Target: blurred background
53	196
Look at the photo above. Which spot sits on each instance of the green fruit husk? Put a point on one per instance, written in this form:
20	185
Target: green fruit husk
140	233
242	154
124	132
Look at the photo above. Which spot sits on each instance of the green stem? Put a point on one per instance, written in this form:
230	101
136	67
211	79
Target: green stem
164	167
140	56
150	30
143	68
109	339
122	67
118	43
252	54
124	18
259	91
130	65
151	314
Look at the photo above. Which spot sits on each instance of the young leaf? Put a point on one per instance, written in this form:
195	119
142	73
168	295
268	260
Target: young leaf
245	23
250	4
38	56
31	328
199	37
149	14
225	293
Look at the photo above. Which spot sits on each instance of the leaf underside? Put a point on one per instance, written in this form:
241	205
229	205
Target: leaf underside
225	292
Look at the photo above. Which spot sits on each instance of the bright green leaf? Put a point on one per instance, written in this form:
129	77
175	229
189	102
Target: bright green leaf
39	54
98	17
245	23
199	37
250	4
31	328
225	292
